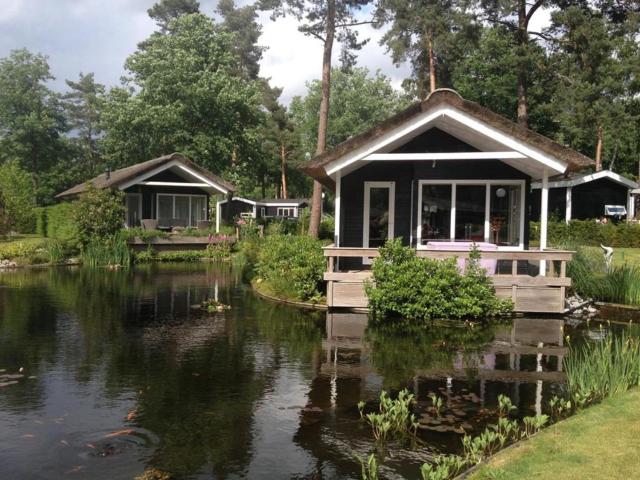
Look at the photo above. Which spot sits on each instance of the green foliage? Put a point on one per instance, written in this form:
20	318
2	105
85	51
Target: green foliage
57	222
505	406
292	266
186	97
219	250
589	232
419	289
592	278
559	407
394	419
444	467
359	100
143	234
31	118
17	199
533	424
109	251
369	467
596	370
98	214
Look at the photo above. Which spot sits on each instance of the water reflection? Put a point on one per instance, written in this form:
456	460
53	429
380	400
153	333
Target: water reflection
121	374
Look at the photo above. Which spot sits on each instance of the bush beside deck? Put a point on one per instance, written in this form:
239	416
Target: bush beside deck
600	442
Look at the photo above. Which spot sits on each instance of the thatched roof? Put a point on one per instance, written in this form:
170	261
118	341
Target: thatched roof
446	97
117	178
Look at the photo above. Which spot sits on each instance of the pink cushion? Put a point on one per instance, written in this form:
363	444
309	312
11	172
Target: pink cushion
489	265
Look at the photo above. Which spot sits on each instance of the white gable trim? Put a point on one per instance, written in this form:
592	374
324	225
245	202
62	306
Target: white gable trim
166	166
590	178
428	117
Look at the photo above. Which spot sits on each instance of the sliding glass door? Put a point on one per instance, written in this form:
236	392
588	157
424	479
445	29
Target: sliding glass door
472	211
181	210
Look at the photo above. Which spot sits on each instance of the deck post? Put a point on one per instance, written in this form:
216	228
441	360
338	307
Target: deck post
336	213
631	208
218	212
567	211
544	216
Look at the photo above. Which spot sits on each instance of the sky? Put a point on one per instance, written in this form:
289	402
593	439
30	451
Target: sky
98	35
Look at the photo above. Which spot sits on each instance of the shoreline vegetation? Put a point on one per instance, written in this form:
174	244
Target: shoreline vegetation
602	375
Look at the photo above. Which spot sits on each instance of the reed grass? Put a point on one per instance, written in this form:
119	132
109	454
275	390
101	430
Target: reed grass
597	370
110	251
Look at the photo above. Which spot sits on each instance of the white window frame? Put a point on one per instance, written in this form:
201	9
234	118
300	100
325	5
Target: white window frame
263	212
291	210
487	208
173	210
127	195
366	211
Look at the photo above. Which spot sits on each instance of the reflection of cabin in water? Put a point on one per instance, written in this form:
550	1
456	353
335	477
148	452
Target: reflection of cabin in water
530	351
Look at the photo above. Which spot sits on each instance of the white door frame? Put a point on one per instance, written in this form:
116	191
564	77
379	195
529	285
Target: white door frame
391	186
127	195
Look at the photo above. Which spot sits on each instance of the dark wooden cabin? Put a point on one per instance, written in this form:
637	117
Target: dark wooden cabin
171	189
442	175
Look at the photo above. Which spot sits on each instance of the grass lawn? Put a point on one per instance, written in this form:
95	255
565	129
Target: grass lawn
601	442
622	255
22	237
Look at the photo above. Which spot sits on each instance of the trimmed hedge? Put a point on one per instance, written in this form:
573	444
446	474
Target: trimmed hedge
588	232
56	221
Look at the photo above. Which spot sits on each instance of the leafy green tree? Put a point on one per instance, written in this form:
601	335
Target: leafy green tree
83	105
516	16
360	100
488	75
431	35
242	23
183	95
328	21
165	11
99	213
596	60
31	117
16	198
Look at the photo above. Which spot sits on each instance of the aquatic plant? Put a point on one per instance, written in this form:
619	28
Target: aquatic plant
444	467
596	370
533	424
369	467
111	251
436	404
212	305
505	406
559	407
394	419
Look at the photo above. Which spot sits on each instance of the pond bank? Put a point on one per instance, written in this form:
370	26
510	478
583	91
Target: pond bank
262	291
600	442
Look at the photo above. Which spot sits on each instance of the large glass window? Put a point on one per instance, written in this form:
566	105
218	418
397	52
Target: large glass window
181	210
488	211
505	214
436	212
470	212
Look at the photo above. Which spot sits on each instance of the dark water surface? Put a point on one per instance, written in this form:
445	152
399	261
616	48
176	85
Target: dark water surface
121	375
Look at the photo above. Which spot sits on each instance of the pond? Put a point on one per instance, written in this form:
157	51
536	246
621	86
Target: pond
121	374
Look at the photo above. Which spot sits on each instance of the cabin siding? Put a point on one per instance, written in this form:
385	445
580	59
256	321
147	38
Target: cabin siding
587	200
406	176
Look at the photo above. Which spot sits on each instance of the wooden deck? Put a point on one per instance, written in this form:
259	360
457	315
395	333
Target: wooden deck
517	277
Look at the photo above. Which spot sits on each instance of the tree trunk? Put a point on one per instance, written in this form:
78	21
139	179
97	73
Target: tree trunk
523	40
283	167
316	200
432	64
599	139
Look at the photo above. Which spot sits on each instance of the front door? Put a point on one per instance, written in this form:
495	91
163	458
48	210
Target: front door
134	209
378	214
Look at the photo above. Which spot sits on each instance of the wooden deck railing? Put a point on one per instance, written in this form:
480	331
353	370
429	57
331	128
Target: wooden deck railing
517	276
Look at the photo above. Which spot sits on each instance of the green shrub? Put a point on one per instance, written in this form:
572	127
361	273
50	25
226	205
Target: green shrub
423	289
589	232
142	234
99	214
293	266
187	256
17	199
57	221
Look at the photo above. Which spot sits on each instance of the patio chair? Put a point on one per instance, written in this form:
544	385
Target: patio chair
149	224
203	225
